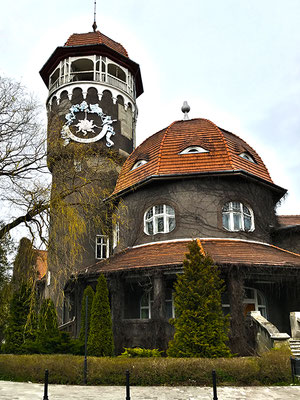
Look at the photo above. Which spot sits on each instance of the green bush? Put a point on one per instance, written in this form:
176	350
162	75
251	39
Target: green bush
100	341
18	312
201	330
88	292
139	352
273	368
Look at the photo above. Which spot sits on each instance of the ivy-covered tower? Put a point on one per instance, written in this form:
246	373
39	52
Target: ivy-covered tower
92	112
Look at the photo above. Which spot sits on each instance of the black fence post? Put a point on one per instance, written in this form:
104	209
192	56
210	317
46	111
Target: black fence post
85	342
214	378
46	385
127	386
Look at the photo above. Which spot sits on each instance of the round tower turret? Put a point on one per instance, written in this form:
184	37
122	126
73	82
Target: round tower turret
93	86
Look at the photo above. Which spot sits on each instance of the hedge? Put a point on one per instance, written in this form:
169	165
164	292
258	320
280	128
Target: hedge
273	368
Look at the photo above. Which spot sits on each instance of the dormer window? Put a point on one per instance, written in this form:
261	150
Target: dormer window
139	163
247	156
193	150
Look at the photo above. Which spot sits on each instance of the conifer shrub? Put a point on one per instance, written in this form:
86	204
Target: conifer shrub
18	312
201	330
49	338
100	341
88	292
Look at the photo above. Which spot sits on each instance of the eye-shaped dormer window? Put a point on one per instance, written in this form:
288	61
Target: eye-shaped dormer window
248	157
193	150
139	163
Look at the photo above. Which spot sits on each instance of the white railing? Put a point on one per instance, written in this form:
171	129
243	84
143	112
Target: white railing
99	77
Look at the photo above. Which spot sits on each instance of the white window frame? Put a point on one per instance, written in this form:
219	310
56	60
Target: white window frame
102	241
165	215
77	166
232	212
248	157
171	300
147	307
194	150
139	163
253	300
116	234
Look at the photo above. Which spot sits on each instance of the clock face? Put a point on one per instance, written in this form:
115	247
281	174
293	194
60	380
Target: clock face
90	125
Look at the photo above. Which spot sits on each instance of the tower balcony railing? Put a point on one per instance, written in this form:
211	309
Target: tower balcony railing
84	76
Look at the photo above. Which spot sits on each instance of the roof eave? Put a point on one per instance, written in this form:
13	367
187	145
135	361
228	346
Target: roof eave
277	189
62	52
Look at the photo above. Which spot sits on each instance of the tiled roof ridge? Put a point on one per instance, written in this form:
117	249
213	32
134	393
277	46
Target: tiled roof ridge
171	252
202	251
102	38
212	239
161	145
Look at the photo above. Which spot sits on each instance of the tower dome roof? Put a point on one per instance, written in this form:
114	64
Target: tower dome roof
189	148
90	38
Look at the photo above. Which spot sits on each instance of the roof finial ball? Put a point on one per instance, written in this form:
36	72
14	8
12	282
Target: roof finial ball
185	109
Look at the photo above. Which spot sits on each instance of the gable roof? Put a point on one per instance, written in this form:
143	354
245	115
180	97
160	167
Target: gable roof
162	153
84	39
171	253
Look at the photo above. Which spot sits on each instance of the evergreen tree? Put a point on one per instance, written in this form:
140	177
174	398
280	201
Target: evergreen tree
100	342
201	330
6	246
88	292
48	335
18	313
24	270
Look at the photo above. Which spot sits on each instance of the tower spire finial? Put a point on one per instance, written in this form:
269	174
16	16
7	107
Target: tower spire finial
185	109
94	24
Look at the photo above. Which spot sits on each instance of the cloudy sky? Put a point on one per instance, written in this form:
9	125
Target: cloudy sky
237	63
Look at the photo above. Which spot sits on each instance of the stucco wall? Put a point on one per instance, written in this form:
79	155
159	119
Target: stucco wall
198	209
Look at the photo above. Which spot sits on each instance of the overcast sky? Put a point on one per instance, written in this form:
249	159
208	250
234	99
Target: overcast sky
236	62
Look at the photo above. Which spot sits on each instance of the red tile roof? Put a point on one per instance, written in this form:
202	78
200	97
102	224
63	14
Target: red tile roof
222	251
162	149
81	39
41	263
289	220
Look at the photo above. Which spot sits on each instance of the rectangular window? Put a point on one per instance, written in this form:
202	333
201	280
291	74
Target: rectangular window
170	309
102	247
146	303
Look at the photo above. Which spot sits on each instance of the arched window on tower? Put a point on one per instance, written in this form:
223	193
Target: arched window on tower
82	69
116	76
54	79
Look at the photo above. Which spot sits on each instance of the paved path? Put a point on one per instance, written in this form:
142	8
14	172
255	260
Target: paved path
34	391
